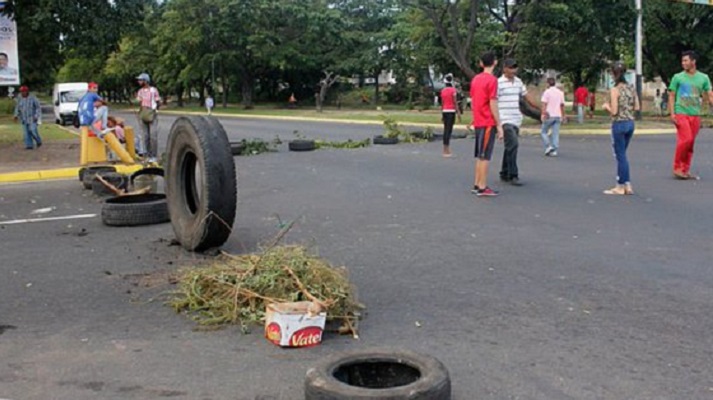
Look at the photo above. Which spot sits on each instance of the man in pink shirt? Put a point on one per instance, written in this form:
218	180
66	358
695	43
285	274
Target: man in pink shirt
552	117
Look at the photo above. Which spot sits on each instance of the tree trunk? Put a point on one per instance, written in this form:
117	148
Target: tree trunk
224	85
179	94
376	89
248	87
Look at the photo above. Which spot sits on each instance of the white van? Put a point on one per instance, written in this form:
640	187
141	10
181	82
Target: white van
65	98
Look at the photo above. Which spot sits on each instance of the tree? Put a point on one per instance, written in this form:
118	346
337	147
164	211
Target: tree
671	28
576	38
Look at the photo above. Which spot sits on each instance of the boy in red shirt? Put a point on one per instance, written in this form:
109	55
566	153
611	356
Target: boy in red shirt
486	121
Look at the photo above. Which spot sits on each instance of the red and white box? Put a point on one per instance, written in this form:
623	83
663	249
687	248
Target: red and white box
299	324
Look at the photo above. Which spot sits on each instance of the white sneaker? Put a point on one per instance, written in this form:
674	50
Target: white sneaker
553	153
549	150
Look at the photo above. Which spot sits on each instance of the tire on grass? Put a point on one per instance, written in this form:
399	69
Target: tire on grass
385	140
201	188
378	374
118	180
135	210
301	145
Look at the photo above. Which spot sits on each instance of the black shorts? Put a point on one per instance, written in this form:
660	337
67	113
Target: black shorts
484	142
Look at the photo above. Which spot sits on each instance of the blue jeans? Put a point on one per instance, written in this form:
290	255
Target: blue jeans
31	134
101	114
580	114
554	123
621	133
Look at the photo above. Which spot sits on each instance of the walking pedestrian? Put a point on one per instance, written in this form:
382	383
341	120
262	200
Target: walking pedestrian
664	102
621	105
449	112
581	101
28	112
486	121
686	90
592	102
209	104
511	91
149	101
552	117
657	102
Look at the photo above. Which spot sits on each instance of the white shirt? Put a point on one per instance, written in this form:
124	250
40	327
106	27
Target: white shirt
509	94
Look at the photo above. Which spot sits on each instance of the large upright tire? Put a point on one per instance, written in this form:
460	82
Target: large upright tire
383	374
201	187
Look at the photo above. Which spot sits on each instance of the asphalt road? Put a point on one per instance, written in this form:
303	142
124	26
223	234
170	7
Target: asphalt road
550	291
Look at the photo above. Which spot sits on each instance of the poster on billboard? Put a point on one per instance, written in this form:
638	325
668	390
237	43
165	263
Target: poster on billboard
9	63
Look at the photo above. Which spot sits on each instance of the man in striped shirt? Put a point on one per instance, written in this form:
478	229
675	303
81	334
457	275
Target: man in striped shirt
149	101
510	91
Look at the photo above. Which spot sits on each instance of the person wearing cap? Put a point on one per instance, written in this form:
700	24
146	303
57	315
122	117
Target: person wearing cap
552	117
449	112
621	105
28	112
92	111
149	102
511	91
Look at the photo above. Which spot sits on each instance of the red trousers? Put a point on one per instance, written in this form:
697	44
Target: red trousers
687	127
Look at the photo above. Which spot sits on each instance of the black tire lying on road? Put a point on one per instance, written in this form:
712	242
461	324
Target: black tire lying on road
385	140
84	170
378	374
90	174
135	210
301	145
459	135
201	187
237	148
118	180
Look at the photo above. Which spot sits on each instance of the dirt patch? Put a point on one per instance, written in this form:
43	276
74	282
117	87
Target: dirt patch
53	154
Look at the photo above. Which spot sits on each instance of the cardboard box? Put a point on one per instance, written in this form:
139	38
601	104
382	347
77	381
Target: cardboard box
299	324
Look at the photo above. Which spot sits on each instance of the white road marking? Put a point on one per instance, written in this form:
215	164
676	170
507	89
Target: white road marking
31	220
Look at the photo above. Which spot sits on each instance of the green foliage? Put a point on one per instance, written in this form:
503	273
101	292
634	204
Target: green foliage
348	144
393	130
554	33
254	147
7	106
672	28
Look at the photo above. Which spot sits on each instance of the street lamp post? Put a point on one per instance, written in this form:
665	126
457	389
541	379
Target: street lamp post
639	45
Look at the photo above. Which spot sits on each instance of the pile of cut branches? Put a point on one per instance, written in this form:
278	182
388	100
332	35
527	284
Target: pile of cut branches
236	289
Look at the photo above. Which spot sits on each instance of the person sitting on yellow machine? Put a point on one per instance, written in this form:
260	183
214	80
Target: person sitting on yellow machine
92	109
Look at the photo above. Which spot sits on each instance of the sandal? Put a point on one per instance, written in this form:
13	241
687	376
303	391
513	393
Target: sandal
617	190
628	189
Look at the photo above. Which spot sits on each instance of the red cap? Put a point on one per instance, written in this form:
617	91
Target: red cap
93	85
24	89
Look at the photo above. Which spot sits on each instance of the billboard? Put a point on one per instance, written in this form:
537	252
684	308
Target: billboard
9	63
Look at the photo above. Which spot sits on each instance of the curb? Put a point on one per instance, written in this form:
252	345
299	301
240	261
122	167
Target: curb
57	174
527	130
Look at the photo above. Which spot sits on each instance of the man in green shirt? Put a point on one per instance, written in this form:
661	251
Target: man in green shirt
687	91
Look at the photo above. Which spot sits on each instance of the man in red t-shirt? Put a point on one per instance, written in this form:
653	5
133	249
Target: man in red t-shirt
450	110
581	98
486	121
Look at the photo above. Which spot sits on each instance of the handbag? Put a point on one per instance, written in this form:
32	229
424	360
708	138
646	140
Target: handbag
147	115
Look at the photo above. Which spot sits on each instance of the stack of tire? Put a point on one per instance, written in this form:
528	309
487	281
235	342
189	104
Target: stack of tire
136	209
